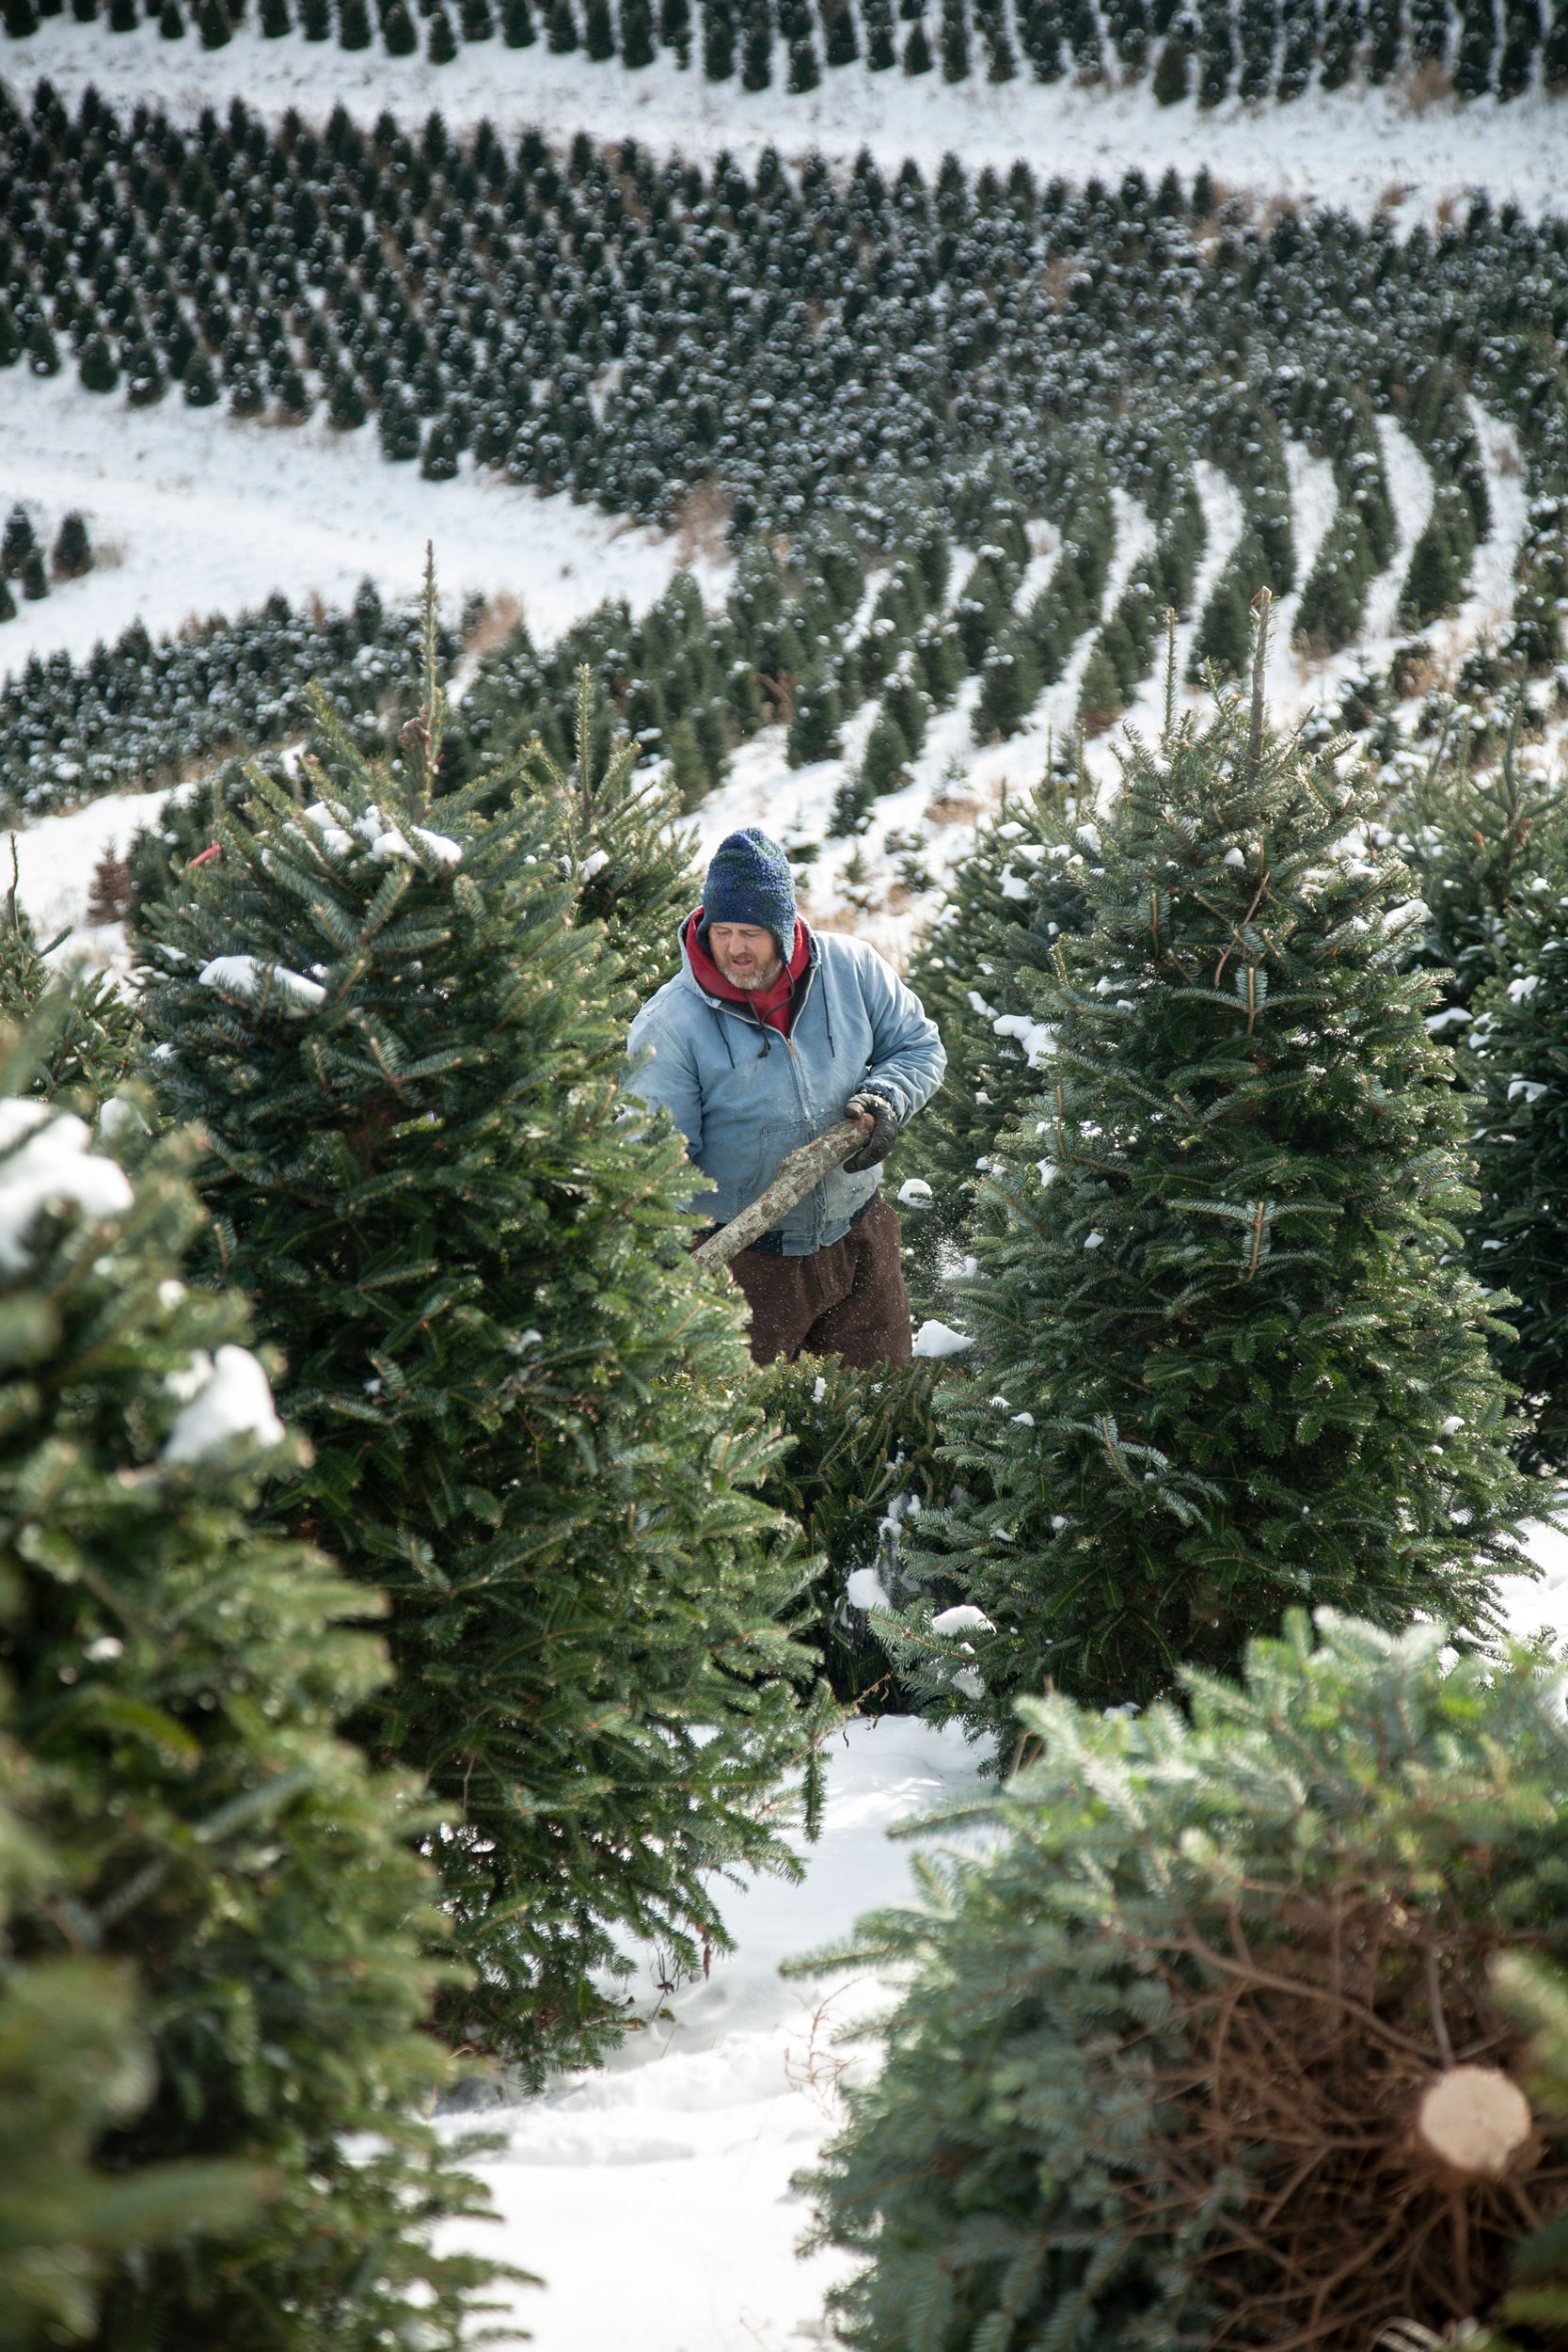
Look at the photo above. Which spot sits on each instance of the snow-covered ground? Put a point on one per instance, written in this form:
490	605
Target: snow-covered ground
1356	146
653	2195
193	512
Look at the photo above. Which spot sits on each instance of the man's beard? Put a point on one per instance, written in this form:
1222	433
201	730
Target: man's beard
752	981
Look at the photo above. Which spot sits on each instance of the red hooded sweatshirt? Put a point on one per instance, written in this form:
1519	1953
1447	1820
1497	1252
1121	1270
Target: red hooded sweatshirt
769	1004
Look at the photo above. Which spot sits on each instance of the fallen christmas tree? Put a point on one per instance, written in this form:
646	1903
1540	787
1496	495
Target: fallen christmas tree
1209	2050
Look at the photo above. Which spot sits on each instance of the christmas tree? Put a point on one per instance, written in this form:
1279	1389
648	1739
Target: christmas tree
1471	835
81	1036
622	837
526	1404
1226	1358
1160	2075
1520	1138
175	1683
978	972
76	2061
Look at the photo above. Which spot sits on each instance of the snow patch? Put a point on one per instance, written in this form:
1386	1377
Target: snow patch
206	514
48	1158
731	2089
235	1401
938	1339
265	985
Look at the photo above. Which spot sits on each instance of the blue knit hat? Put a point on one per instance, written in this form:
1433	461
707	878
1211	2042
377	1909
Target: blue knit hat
750	882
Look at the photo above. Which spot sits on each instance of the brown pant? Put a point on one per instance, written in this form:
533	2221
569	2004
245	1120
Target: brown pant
846	1300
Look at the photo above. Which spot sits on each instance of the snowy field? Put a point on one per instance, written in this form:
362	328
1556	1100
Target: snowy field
198	513
210	480
1357	146
928	826
654	2197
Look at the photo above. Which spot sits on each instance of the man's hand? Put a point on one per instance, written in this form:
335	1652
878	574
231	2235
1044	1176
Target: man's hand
876	1112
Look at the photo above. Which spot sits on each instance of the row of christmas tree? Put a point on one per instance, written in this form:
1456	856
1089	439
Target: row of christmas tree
1246	48
1171	2060
282	1824
1226	1356
797	342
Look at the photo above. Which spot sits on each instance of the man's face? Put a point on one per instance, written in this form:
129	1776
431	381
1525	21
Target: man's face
747	955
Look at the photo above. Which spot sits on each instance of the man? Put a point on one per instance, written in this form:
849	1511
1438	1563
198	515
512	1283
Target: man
770	1034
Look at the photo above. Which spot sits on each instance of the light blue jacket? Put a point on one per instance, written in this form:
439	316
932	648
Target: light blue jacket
743	1096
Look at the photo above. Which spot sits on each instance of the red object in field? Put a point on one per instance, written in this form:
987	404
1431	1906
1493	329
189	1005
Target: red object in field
214	851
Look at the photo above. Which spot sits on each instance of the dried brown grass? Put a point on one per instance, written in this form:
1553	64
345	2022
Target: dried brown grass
702	520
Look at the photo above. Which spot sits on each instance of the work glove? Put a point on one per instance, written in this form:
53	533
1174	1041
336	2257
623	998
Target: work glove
879	1142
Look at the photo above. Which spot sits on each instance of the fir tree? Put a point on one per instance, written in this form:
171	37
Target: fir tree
860	1465
439	462
718	40
175	1680
804	73
917	50
879	55
1329	614
276	19
756	49
442	45
815	717
842	48
1226	1358
1172	72
516	1384
1520	1138
1473	839
34	580
43	358
1152	2073
1436	580
200	384
562	34
397	428
884	764
1099	694
517	30
1477	40
598	34
217	30
83	1039
1554	49
74	2063
18	542
96	368
1299	47
1342	29
977	971
637	33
